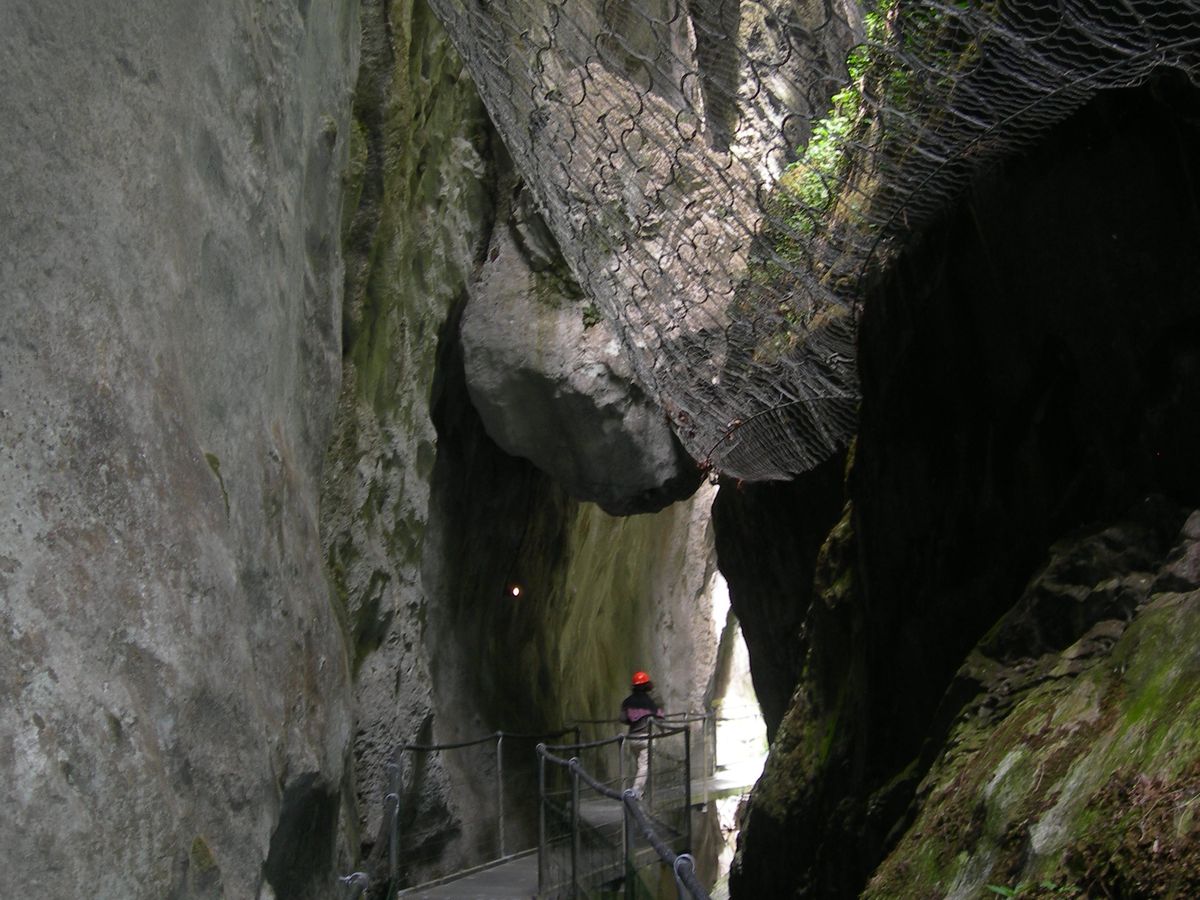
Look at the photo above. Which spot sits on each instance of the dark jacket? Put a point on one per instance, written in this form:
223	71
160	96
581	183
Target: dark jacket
638	709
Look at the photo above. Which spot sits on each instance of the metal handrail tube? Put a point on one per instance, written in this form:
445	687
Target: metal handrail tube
665	853
712	728
531	736
687	783
589	745
599	787
358	882
621	761
626	842
394	838
688	717
650	760
495	735
574	764
394	835
665	726
627	848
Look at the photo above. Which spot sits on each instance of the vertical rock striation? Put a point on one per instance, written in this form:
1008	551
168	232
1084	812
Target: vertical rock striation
174	707
419	208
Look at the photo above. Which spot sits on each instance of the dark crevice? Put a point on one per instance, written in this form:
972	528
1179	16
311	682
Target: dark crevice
300	860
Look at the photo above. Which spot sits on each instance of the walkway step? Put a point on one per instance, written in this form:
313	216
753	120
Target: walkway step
516	878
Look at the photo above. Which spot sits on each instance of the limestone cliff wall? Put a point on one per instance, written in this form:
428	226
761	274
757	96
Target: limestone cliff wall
174	700
418	210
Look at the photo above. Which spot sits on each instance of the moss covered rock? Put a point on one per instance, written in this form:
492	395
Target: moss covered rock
1074	771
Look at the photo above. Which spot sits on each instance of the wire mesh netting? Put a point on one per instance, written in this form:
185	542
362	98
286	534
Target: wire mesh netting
724	175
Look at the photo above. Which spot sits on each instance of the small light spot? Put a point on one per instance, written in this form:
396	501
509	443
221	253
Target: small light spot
515	590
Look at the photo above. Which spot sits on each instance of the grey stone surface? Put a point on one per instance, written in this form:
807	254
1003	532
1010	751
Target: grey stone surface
422	212
552	383
174	708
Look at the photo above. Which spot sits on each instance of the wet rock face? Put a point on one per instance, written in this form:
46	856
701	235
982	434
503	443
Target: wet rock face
1024	374
551	381
420	190
172	670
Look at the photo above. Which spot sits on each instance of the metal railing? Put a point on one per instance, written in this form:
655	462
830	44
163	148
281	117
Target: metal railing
412	850
602	848
705	762
587	841
575	839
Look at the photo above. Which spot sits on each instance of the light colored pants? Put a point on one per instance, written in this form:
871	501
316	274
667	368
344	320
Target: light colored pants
638	749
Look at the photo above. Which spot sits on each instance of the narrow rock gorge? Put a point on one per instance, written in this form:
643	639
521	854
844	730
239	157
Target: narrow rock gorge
340	413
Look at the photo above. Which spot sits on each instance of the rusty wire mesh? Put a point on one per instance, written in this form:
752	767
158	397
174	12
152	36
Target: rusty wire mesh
722	175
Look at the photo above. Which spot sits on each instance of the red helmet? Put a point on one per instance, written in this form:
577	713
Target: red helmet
640	678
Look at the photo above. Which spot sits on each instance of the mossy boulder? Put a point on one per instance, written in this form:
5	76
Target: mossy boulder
1074	771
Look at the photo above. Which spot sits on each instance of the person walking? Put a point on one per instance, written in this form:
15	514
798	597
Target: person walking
638	711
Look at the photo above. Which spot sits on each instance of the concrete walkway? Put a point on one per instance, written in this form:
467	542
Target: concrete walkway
515	878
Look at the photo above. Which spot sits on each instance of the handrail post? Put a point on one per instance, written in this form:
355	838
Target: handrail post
541	820
621	760
630	849
500	788
715	720
394	840
624	829
574	827
687	784
681	889
704	757
650	764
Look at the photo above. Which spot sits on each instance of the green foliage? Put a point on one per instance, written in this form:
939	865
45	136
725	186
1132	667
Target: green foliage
591	315
201	856
810	184
1040	889
809	188
815	190
900	83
